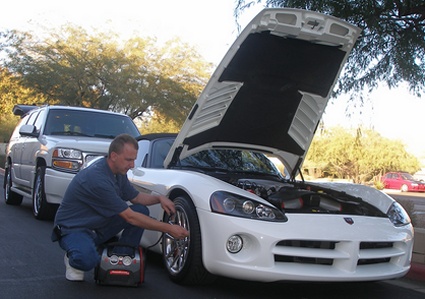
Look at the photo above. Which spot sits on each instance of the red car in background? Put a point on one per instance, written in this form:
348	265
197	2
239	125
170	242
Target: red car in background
403	181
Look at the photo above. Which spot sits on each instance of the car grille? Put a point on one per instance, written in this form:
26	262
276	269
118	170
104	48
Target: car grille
331	253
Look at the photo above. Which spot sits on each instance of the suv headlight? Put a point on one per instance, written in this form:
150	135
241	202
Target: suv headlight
398	215
67	159
235	205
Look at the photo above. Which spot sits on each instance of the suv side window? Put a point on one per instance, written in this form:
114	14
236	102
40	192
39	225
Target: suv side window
39	120
32	118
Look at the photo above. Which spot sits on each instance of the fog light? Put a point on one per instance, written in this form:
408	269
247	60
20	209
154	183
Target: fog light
234	244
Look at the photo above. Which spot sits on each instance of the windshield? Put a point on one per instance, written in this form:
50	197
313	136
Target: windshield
231	160
88	123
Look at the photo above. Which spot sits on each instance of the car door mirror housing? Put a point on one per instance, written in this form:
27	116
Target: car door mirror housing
28	130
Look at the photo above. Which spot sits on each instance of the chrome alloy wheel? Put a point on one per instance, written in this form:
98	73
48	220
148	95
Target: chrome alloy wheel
176	251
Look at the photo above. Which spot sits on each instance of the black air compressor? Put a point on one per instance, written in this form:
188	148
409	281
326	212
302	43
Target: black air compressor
118	268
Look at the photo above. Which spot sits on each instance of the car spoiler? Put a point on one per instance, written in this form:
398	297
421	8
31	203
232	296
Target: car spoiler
22	110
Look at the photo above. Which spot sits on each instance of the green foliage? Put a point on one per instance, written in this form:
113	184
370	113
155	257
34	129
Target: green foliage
12	92
158	124
72	67
391	48
378	184
358	156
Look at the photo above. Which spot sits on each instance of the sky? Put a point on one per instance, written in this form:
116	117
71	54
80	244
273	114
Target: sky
210	27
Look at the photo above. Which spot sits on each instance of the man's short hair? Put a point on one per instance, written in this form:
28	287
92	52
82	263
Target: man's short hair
117	145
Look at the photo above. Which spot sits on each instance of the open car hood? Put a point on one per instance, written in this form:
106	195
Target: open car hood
271	88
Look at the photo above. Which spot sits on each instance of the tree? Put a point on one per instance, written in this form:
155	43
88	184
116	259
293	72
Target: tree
11	93
391	48
98	70
358	156
158	123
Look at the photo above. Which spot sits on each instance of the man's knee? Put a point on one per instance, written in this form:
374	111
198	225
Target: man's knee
84	261
81	250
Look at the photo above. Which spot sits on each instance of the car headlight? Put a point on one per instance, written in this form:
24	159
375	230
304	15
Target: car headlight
239	206
67	159
398	215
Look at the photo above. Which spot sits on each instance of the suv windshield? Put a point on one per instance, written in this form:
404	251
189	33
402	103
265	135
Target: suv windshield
88	123
231	160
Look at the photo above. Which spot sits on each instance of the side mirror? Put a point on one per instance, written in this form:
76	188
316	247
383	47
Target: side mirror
28	130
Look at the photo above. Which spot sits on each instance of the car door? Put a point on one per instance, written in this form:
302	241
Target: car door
397	181
15	148
390	181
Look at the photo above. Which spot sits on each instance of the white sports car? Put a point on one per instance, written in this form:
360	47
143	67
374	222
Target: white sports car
247	219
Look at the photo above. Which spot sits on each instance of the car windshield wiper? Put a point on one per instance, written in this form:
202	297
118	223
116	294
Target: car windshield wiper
203	168
69	133
104	136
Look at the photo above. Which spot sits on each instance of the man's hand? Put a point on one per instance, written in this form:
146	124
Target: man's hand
178	232
167	205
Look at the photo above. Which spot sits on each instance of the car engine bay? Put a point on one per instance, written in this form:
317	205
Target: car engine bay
300	197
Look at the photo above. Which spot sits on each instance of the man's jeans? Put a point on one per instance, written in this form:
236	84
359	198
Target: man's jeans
81	245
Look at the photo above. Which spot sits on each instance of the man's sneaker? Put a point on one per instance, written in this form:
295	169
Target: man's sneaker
72	274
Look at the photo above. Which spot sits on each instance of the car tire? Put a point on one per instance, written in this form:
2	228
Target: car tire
404	188
183	258
10	197
42	210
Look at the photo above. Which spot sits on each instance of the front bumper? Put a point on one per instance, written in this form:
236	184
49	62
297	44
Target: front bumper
307	248
55	185
419	188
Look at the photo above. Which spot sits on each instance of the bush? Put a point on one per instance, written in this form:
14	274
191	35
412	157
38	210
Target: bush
378	184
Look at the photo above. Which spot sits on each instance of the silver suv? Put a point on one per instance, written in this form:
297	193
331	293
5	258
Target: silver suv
50	145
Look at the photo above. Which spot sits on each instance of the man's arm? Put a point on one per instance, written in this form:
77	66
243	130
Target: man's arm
146	222
149	199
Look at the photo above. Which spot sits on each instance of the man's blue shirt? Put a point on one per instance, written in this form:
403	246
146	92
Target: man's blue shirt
93	197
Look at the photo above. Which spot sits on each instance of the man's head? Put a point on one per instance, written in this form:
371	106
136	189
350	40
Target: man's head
122	153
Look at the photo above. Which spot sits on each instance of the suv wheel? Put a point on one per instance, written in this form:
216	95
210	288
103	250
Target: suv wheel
41	208
10	197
